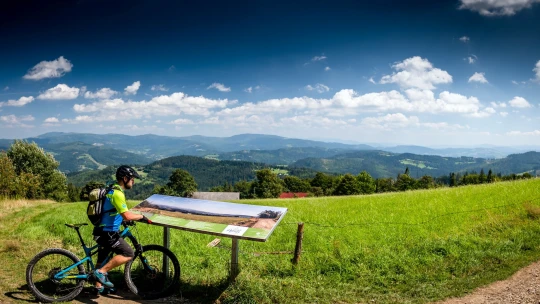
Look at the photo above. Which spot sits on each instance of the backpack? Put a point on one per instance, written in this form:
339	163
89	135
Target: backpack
96	202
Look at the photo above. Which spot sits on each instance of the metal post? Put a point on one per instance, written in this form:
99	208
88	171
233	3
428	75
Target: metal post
166	243
234	260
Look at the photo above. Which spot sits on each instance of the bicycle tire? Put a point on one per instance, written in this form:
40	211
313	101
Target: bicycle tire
152	285
39	274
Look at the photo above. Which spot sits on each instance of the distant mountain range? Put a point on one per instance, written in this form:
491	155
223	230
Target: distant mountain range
80	152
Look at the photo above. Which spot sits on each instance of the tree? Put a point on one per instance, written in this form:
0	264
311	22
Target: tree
8	177
29	158
267	184
426	182
406	171
181	183
296	184
245	189
404	182
73	193
323	181
453	181
385	185
482	177
489	178
366	182
348	186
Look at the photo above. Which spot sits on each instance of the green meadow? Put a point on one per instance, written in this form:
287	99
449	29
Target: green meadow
407	247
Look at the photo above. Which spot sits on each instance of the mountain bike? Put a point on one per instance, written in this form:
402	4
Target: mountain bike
58	275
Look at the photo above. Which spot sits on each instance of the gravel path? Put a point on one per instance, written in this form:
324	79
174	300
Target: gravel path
523	288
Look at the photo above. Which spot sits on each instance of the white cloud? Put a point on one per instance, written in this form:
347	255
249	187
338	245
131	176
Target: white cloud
503	114
390	121
519	133
159	88
318	58
6	88
219	86
164	105
319	87
327	68
371	80
496	7
471	59
172	68
49	69
498	105
132	89
478	77
19	102
515	82
12	121
251	89
61	91
181	121
465	39
104	93
519	102
537	70
416	72
51	120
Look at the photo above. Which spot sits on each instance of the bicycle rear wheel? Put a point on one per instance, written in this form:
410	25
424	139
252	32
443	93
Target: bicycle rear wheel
146	275
40	276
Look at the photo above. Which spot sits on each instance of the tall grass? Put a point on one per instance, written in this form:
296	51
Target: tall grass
412	247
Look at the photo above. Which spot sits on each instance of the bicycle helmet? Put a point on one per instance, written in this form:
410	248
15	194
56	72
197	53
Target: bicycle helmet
126	171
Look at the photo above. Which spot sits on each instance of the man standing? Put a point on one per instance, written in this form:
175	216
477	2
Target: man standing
107	233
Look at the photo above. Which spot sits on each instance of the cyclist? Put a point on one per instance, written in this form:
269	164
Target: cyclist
107	233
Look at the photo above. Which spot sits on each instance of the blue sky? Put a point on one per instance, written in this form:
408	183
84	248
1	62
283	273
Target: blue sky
459	72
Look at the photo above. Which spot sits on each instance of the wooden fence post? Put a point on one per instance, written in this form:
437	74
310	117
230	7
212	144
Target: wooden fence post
298	248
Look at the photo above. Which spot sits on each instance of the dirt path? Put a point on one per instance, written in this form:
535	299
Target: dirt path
523	288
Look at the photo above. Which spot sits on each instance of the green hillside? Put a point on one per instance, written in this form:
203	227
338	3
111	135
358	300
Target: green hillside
412	247
385	164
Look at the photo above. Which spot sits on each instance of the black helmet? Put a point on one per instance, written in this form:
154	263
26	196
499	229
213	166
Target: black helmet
124	171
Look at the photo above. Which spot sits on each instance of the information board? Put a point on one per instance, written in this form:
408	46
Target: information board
241	221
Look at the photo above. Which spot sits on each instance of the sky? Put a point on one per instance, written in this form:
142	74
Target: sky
431	73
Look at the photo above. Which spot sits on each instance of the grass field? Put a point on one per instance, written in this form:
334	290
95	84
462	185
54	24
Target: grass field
411	247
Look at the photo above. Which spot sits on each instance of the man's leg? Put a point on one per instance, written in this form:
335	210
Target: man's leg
124	253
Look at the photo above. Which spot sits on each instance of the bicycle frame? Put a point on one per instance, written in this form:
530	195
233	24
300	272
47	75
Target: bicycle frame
88	256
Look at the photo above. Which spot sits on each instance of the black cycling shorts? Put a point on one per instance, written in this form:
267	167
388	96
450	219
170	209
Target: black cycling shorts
111	241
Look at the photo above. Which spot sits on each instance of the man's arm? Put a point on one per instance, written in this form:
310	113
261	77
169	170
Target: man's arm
130	216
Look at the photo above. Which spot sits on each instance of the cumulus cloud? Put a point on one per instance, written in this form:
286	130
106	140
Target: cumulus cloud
318	58
181	121
537	71
219	86
49	69
319	87
51	120
496	7
11	121
159	87
519	102
326	69
164	105
132	89
478	77
465	39
471	59
519	133
390	121
503	114
61	91
416	72
18	102
371	80
251	89
498	105
104	93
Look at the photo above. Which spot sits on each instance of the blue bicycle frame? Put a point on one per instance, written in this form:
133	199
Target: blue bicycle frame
88	256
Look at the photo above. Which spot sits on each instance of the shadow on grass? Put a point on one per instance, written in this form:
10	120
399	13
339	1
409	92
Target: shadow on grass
187	293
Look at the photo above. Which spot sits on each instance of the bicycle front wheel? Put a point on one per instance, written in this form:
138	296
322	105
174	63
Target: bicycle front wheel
44	266
148	276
